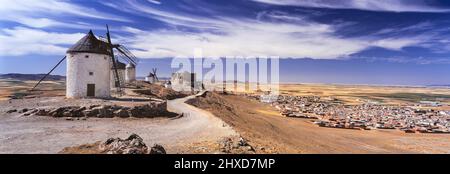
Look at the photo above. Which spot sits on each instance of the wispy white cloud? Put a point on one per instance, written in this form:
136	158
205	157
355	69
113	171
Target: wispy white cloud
370	5
255	42
279	34
154	1
23	41
44	22
396	43
41	14
271	33
175	19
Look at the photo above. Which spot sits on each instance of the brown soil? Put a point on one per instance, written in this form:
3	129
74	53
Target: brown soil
270	132
83	149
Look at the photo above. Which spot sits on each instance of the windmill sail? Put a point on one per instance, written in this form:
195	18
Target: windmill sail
154	75
126	54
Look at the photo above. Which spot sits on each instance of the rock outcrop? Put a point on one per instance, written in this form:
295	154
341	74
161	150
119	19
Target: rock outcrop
235	145
152	109
134	144
157	149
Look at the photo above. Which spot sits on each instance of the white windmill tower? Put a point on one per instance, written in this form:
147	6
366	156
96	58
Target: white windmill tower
88	68
130	73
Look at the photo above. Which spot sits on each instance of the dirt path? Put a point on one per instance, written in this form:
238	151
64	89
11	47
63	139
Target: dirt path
197	122
40	134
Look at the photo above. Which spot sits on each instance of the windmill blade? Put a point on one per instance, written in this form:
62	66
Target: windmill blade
48	73
154	72
116	74
127	54
127	58
124	57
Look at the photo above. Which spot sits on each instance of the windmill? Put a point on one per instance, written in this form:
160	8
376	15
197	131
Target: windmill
152	77
104	44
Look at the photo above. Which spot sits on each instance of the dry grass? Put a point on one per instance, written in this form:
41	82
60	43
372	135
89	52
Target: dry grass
21	89
357	94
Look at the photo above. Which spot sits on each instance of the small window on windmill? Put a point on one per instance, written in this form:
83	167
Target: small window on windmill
86	56
104	57
91	73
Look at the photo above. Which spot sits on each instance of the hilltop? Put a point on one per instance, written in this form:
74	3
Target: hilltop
18	76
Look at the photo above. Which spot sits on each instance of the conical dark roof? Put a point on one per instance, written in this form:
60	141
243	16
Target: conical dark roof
90	44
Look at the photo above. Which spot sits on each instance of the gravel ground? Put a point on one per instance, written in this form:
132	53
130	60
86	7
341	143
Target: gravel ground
41	134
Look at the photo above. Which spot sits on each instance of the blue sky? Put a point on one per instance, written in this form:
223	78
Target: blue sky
405	42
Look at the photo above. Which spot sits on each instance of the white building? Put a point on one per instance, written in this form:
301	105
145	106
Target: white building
88	68
121	71
268	98
130	73
183	81
168	84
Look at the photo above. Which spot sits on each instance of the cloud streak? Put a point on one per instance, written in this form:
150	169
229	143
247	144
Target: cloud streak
24	41
369	5
41	14
154	2
267	33
279	34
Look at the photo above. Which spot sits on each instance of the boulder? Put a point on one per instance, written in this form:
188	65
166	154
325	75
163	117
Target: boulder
77	112
157	149
11	111
23	110
105	112
132	145
123	113
90	113
42	112
93	106
58	112
235	145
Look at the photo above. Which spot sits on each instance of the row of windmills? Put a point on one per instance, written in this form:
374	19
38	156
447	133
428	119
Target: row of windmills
93	69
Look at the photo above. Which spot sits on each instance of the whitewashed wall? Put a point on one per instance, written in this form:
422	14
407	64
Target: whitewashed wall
181	81
130	74
77	71
121	73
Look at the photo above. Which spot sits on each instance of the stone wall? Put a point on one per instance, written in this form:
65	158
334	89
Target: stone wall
152	109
